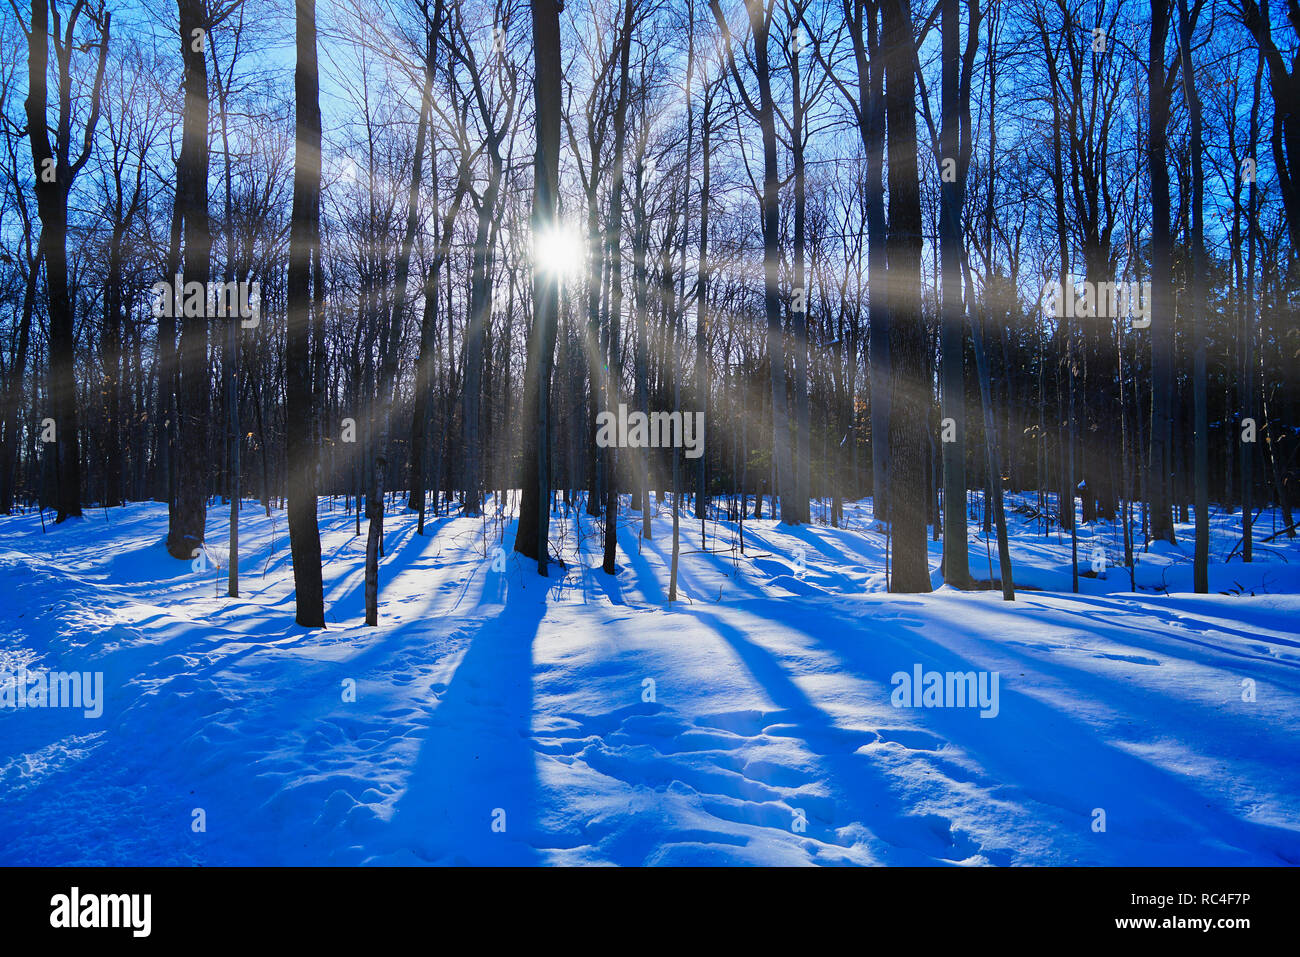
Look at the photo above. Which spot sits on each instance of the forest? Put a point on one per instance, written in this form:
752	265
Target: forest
624	297
741	177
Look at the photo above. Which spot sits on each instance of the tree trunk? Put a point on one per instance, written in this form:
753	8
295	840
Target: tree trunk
374	538
613	250
702	309
1285	88
771	209
1249	370
1159	486
802	478
54	174
185	534
871	88
907	434
534	515
304	235
956	561
14	384
1196	305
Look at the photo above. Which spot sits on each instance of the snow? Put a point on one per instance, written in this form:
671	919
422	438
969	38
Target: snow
500	698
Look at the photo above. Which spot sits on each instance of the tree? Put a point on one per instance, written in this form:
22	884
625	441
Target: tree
1285	87
230	350
1196	305
534	509
764	114
390	338
908	441
867	105
304	243
496	119
185	532
796	509
55	169
429	326
602	58
127	136
613	251
955	150
1249	363
700	381
26	254
1162	293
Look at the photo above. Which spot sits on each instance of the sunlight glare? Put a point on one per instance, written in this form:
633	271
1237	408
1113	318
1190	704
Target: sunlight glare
559	251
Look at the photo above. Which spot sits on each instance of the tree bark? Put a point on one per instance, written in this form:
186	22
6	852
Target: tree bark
185	534
908	429
613	251
304	235
54	172
1196	305
531	538
1162	294
956	560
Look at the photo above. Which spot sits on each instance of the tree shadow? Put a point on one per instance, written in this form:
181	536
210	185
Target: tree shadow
1144	802
867	796
477	767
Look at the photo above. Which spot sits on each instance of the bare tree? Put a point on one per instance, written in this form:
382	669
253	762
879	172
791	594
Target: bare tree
867	104
304	242
613	251
763	112
907	432
534	509
954	164
25	257
1285	87
1162	293
55	170
496	115
1196	305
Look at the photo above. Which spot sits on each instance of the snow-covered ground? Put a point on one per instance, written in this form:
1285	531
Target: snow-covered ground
503	718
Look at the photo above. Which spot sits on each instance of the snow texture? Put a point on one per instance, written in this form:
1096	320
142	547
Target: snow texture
503	718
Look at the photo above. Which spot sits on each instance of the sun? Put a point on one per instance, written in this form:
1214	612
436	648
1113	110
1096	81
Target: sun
559	250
